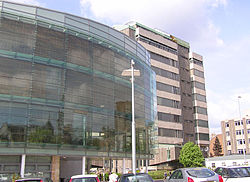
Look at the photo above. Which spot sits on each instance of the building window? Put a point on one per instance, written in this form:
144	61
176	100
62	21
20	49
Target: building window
227	125
213	164
228	143
170	133
229	152
199	97
248	121
201	123
200	110
167	88
248	131
168	117
168	102
198	85
237	123
227	133
238	132
239	142
240	151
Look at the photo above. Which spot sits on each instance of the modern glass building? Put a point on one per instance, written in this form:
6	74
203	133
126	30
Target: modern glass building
62	95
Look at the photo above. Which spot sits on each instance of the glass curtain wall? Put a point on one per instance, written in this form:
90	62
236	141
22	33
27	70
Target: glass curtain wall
61	91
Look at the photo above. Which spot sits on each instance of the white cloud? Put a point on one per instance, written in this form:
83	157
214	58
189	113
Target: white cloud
226	64
188	20
32	2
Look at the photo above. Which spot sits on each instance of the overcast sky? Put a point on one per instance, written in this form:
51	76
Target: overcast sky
217	29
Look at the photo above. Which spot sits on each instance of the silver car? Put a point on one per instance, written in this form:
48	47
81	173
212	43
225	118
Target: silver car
234	173
200	174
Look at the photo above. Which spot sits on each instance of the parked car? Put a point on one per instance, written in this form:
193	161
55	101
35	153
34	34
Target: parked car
34	180
138	177
84	178
194	175
234	173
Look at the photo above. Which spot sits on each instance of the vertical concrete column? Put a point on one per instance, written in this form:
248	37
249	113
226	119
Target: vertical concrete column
146	166
123	166
23	166
83	164
55	168
142	166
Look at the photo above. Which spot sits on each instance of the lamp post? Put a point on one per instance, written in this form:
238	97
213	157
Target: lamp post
132	72
242	131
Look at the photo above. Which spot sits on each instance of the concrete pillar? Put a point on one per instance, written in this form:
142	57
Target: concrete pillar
55	168
23	166
123	166
83	164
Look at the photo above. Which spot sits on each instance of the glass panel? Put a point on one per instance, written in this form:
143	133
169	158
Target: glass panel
50	16
22	9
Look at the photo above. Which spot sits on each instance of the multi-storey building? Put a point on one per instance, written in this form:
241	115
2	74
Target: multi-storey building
199	102
181	96
63	99
236	135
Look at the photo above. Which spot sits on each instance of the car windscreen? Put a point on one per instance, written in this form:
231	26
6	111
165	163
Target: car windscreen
241	172
84	180
200	173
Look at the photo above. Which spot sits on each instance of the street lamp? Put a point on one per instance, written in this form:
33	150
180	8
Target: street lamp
242	131
132	72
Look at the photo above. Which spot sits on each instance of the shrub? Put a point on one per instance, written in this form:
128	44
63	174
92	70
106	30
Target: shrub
157	174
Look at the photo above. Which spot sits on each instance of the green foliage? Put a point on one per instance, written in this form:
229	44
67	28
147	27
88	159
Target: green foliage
15	177
191	155
157	174
217	147
106	176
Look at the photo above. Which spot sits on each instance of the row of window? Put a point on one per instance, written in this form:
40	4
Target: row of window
170	133
238	123
200	110
167	88
239	142
197	73
199	97
198	85
196	61
165	73
163	59
202	136
168	102
157	44
201	123
168	117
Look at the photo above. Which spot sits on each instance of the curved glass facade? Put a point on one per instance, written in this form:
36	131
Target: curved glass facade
61	89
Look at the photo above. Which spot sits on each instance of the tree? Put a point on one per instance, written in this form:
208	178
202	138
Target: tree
217	147
191	155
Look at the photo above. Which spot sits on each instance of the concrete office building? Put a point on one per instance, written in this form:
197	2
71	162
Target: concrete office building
236	135
181	95
63	100
199	102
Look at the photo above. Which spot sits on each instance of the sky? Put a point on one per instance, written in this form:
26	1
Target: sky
219	30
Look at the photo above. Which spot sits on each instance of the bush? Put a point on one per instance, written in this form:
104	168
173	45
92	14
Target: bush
157	174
